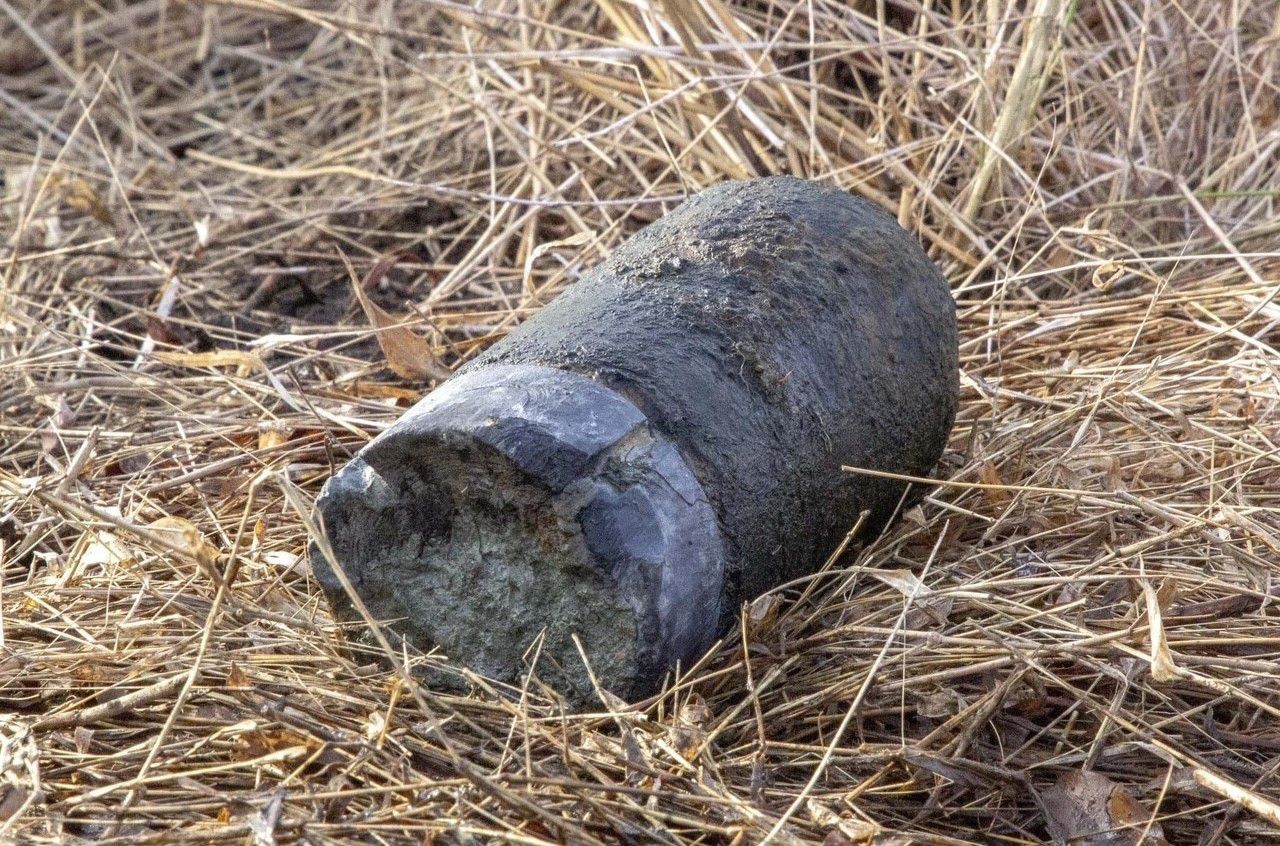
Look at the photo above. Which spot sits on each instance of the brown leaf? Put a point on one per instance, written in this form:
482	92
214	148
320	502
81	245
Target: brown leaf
272	434
83	737
18	55
689	733
695	712
762	613
575	240
1115	476
407	354
843	830
95	552
938	704
259	742
81	196
236	678
381	390
990	475
1163	668
1088	809
158	330
182	532
63	414
835	837
13	798
615	704
243	362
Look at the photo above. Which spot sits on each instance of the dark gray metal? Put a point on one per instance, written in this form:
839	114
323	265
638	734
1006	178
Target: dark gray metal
611	535
660	443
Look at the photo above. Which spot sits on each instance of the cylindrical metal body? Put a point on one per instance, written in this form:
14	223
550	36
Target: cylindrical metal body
660	443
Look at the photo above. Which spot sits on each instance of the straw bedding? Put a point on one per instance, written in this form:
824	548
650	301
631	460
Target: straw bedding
1076	630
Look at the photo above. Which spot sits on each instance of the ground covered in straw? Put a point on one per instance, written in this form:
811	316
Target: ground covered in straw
1076	631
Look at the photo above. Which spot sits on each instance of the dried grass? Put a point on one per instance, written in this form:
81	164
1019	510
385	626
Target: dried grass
1092	590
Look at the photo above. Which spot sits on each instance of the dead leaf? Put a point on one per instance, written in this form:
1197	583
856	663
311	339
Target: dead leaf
407	354
762	613
904	581
183	533
695	712
273	434
288	562
18	55
928	605
381	390
13	798
843	831
758	778
375	725
236	678
575	240
19	767
938	704
1107	274
1115	476
96	551
689	734
243	362
638	761
81	196
158	330
63	415
1070	478
1163	668
616	705
260	742
1086	808
263	825
990	475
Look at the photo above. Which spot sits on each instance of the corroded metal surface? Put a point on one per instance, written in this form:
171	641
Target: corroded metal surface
737	352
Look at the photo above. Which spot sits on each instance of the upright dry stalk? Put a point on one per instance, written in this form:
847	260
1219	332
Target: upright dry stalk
1042	37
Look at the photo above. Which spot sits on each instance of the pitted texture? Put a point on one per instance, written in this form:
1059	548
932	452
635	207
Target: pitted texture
774	330
522	505
661	442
